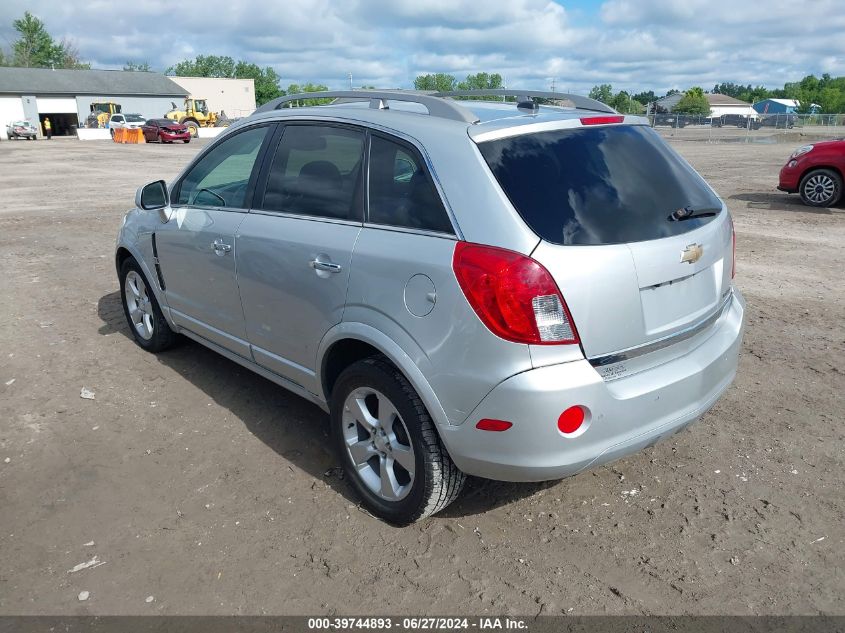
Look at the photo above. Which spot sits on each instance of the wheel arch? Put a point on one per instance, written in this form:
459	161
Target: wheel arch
347	343
831	167
123	253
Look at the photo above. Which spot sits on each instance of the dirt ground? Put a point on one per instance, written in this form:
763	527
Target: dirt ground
191	486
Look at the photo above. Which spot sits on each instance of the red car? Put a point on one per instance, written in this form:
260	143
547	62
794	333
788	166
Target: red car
816	172
165	131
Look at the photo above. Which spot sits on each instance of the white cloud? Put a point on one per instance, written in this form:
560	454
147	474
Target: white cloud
631	44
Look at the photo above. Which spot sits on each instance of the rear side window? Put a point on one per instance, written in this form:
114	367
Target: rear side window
221	177
318	171
401	191
600	185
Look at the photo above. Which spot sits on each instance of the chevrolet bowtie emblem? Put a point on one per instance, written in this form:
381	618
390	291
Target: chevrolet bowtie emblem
692	253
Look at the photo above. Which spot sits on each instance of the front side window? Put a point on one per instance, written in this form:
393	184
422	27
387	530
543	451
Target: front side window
317	171
221	177
401	191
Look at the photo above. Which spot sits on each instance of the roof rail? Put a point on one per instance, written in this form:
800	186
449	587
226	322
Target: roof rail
582	103
437	107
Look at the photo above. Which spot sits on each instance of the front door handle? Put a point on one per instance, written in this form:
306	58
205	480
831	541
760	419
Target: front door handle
329	267
220	247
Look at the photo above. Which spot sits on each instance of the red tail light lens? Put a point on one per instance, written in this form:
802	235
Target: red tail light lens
601	120
513	295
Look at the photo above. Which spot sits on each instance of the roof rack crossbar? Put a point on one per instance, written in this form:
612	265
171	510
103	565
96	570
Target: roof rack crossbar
379	99
582	103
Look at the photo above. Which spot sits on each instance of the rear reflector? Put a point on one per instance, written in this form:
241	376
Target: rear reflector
571	420
493	425
601	120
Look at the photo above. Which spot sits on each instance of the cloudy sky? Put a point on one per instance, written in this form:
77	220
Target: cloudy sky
632	44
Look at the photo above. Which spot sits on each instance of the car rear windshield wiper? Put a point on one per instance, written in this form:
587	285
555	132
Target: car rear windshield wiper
688	213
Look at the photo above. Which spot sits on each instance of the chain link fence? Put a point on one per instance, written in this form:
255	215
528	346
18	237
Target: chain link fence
754	128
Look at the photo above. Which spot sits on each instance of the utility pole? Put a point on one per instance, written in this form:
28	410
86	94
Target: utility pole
553	83
350	81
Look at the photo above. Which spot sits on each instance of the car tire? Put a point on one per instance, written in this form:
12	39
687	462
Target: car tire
377	415
186	141
821	188
143	314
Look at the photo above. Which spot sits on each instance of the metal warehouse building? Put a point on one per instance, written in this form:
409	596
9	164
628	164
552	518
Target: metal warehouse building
66	95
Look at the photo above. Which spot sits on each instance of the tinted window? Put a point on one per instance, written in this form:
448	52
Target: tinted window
317	170
221	176
401	191
600	185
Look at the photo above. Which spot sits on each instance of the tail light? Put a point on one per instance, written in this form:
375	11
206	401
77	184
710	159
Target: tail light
733	250
513	295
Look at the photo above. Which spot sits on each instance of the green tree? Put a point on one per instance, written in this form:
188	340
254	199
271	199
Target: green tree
141	67
624	103
481	81
694	101
204	66
645	97
71	57
603	93
266	81
293	89
35	47
439	82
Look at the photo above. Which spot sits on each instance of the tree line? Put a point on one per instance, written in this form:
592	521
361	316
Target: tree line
36	48
825	94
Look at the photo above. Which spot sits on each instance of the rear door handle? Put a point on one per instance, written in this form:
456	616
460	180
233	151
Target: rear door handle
220	247
328	267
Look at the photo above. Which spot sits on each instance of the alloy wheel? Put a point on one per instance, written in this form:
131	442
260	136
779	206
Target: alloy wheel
819	188
378	444
138	305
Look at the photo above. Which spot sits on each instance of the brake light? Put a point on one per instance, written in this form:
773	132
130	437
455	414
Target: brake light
601	120
513	295
733	250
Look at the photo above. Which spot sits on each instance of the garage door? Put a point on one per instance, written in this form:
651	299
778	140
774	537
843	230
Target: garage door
51	105
11	109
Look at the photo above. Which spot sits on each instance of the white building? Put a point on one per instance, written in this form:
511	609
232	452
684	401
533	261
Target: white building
719	105
723	104
65	96
235	97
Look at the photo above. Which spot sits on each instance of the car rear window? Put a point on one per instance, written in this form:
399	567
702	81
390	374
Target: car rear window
600	185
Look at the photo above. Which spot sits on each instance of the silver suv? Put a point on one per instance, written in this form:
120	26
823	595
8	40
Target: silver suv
501	289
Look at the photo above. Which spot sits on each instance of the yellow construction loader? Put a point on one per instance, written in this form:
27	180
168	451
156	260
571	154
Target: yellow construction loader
101	112
194	115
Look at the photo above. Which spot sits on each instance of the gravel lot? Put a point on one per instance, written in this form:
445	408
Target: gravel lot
191	486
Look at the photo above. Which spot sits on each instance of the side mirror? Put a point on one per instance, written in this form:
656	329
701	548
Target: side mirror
154	197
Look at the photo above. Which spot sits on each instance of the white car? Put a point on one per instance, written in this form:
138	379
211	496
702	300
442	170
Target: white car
126	121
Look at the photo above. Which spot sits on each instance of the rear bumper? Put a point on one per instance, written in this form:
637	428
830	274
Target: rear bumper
625	415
